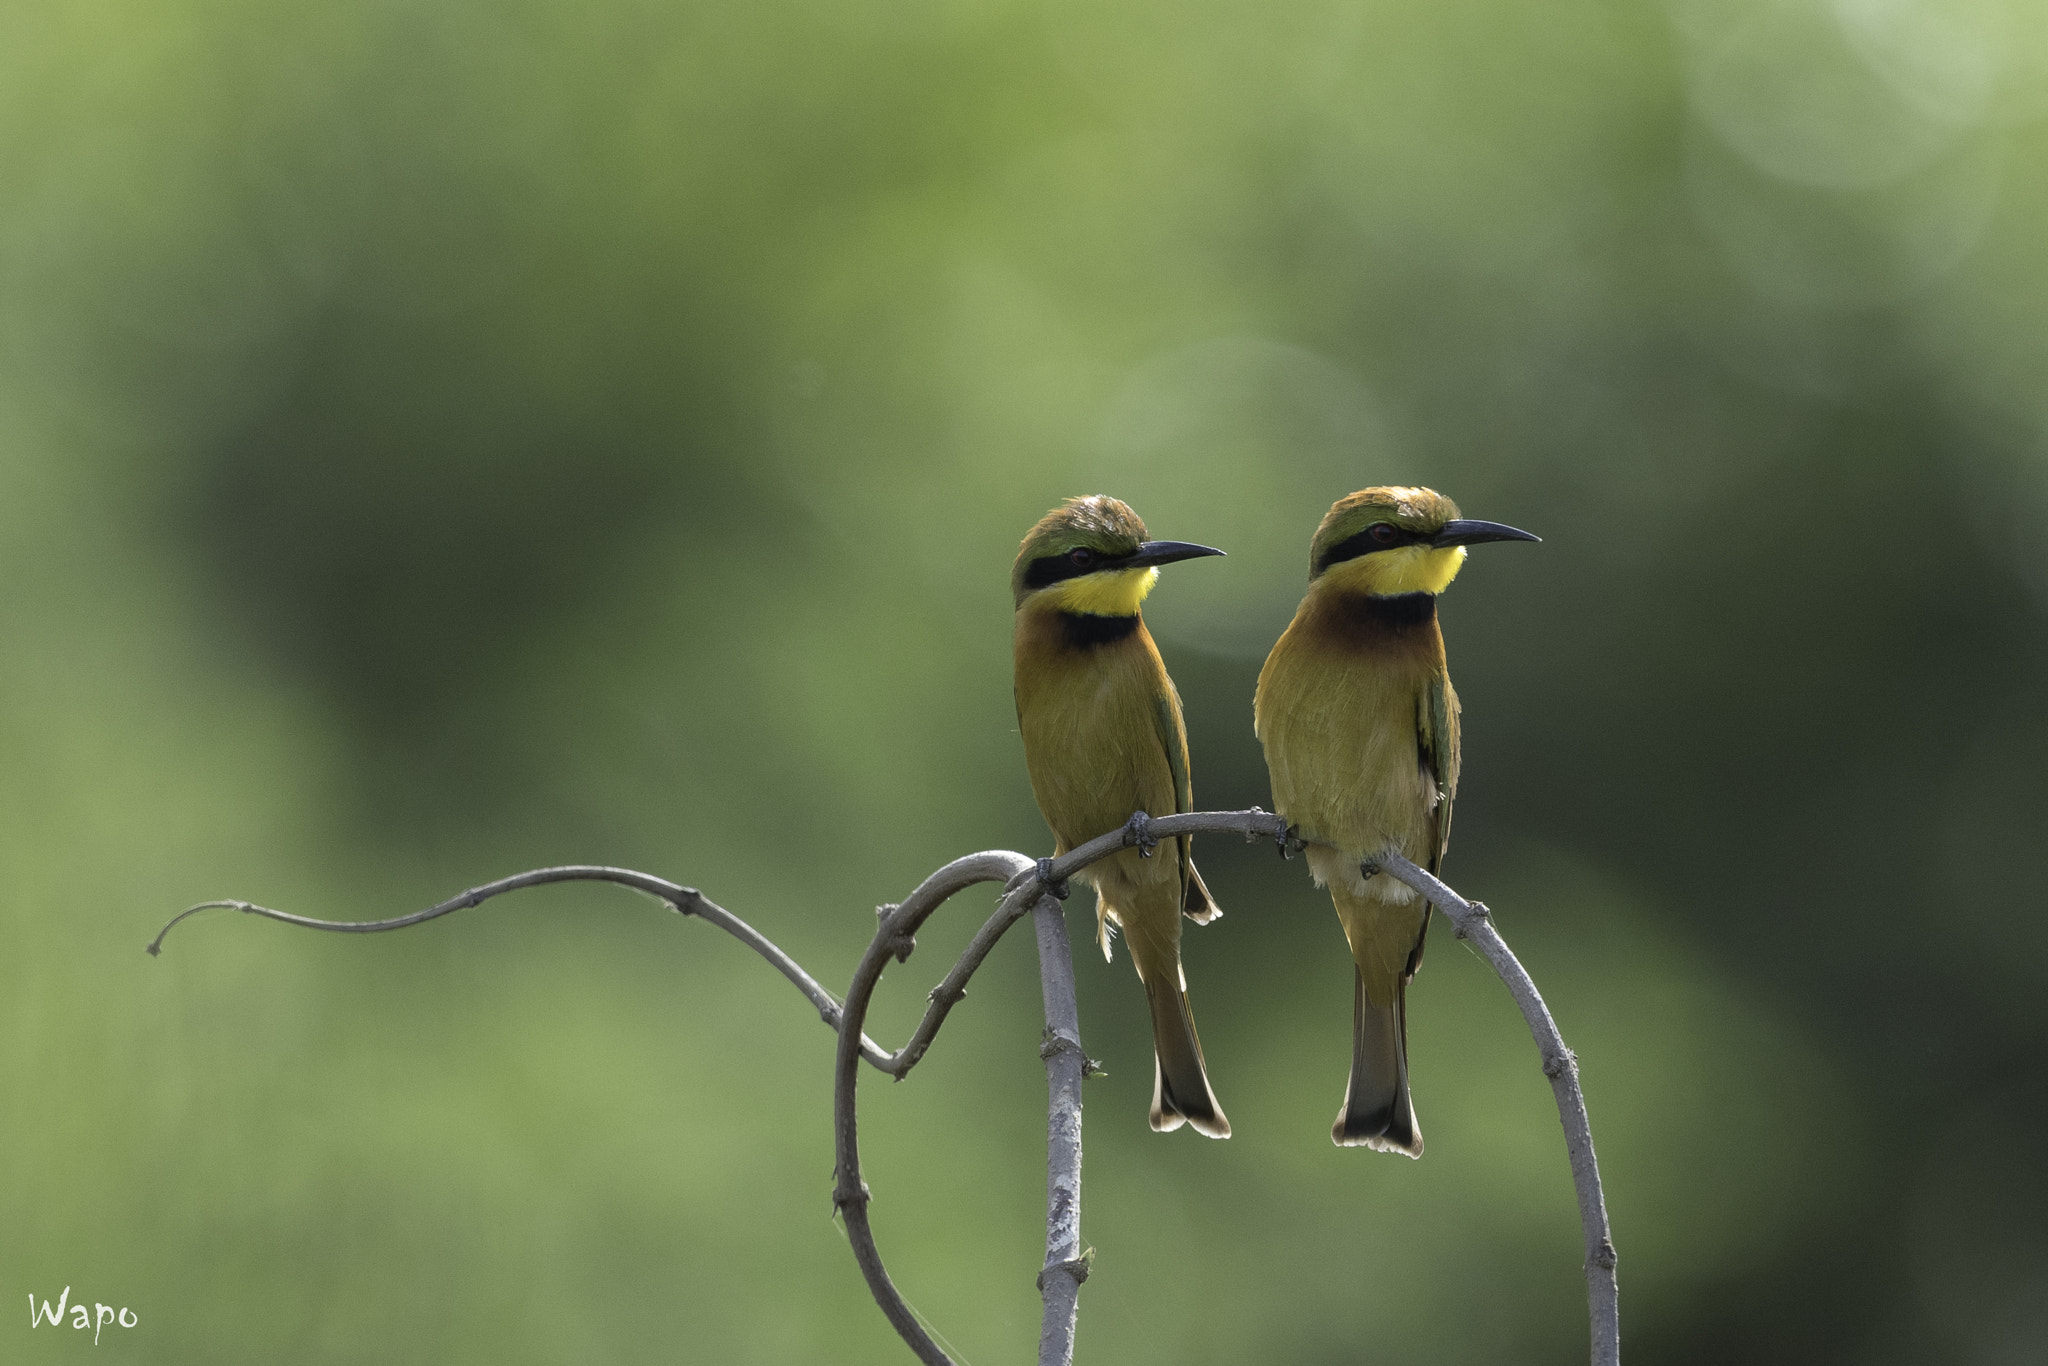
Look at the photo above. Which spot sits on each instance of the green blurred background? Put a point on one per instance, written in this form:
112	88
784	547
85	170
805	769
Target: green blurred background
439	438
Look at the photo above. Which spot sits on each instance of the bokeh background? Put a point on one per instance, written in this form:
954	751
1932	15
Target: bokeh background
439	438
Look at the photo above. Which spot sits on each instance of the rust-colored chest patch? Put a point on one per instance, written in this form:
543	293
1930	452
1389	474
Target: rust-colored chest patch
1403	625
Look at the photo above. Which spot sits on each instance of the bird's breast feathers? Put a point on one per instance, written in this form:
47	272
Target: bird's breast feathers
1340	718
1091	734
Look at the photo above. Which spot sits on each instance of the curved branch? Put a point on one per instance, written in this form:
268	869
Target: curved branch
849	1192
1031	888
1026	884
1141	829
683	900
1475	922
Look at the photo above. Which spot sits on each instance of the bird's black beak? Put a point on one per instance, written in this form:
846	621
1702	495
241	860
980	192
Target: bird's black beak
1165	552
1467	532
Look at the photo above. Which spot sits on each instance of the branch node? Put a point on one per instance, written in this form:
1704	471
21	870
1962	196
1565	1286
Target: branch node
1054	886
842	1196
1556	1065
1475	912
1604	1255
1138	834
950	996
1077	1267
1052	1044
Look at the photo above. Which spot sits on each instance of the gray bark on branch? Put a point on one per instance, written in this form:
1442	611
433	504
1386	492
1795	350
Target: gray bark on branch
1035	887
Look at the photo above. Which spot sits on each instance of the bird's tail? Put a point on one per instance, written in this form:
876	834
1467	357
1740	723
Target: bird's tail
1377	1113
1180	1084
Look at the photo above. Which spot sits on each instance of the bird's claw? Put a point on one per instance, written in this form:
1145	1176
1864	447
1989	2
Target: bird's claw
1056	887
1289	842
1138	833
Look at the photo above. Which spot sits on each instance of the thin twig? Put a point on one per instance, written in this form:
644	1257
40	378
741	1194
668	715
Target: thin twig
683	900
1475	922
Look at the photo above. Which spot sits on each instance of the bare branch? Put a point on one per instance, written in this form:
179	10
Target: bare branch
683	900
1027	885
1475	922
1066	1262
849	1191
1253	824
953	986
1032	887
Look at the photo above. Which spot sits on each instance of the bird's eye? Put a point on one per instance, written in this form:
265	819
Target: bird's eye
1383	533
1080	557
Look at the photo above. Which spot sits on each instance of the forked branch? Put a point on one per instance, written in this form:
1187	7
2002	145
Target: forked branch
1033	887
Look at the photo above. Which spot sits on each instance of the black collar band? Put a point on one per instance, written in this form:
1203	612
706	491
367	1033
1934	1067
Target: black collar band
1085	629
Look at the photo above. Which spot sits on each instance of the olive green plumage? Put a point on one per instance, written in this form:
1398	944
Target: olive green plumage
1103	738
1359	722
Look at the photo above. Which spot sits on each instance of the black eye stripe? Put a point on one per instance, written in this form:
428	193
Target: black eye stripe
1364	543
1052	568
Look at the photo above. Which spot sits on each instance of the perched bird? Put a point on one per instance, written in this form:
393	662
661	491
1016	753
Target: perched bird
1103	738
1360	727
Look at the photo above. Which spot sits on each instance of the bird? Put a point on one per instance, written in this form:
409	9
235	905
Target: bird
1104	739
1359	724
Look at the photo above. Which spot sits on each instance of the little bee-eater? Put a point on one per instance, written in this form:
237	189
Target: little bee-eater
1360	726
1103	738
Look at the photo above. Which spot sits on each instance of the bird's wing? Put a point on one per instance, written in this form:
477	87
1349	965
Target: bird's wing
1173	739
1436	746
1196	903
1436	743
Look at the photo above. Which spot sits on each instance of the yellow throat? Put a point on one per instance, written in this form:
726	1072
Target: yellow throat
1112	593
1408	569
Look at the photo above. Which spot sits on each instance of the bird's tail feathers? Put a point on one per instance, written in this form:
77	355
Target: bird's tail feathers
1196	903
1180	1083
1377	1112
1105	929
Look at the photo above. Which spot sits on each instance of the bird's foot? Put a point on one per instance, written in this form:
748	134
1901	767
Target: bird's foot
1138	834
1056	887
1368	869
1290	842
